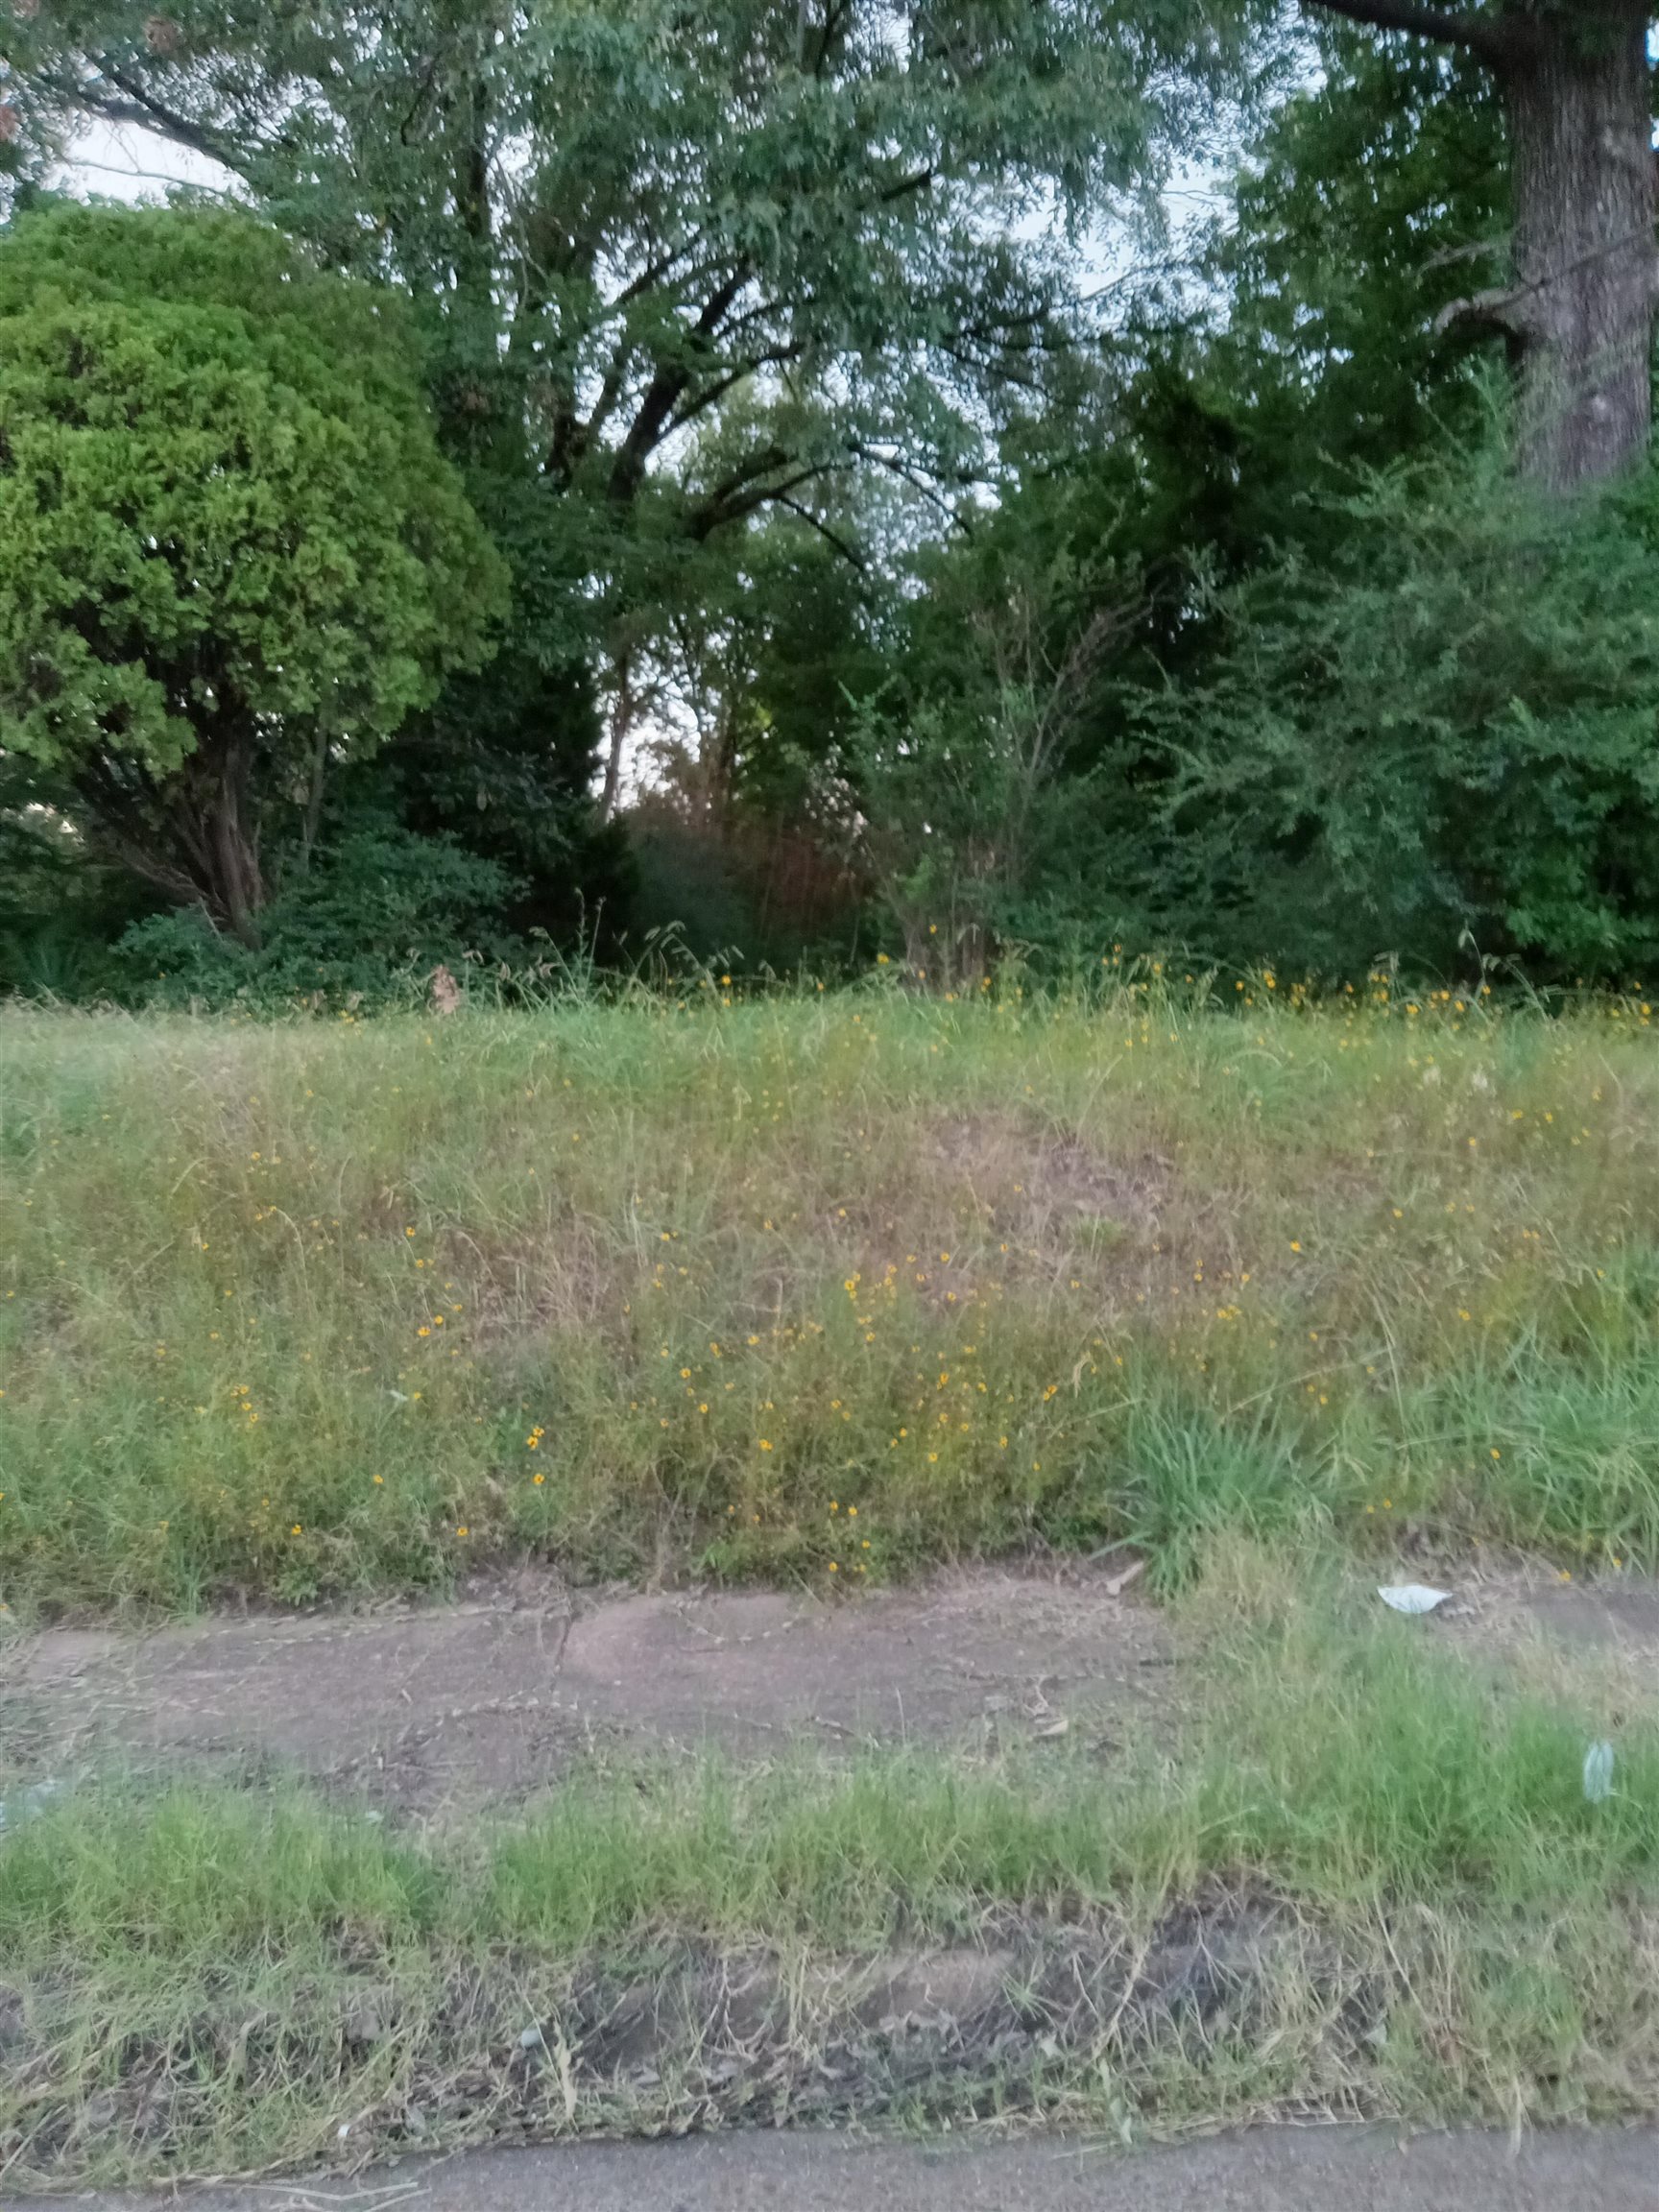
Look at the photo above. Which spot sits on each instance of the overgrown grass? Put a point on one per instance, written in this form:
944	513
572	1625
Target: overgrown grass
816	1286
1405	1904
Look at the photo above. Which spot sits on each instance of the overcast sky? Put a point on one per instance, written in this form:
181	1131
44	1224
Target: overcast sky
122	163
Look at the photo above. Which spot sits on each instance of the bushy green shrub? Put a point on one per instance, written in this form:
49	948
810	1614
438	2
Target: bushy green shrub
1445	729
231	555
368	923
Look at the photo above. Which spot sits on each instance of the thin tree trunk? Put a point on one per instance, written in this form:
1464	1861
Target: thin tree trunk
617	736
313	820
1578	89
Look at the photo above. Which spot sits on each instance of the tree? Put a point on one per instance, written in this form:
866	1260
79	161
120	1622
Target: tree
620	221
1444	724
966	762
742	692
1579	308
675	262
1355	221
230	553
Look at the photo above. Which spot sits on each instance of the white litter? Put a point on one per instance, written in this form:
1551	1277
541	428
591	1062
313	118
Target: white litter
1413	1596
27	1805
1599	1773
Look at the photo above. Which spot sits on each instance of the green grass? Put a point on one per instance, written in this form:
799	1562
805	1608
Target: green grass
1435	1921
820	1289
311	1308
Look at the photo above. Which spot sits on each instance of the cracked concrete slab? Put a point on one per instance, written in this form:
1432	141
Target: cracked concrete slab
493	1698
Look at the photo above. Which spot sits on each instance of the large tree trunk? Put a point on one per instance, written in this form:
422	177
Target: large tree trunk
200	845
1580	314
195	836
234	882
1575	80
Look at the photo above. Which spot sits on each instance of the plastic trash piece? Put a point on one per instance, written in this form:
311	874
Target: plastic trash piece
1413	1596
1599	1773
28	1804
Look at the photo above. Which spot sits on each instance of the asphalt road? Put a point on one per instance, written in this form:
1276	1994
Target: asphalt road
1282	2170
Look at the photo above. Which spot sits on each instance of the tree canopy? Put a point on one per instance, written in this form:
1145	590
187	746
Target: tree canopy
228	546
621	215
806	480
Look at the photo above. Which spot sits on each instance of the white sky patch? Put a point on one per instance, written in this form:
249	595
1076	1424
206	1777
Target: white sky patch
120	161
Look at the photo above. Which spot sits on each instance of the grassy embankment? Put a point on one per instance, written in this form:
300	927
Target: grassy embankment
300	1309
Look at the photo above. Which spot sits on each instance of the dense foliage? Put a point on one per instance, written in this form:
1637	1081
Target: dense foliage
797	547
229	551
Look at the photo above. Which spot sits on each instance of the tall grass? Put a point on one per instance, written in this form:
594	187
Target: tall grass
818	1285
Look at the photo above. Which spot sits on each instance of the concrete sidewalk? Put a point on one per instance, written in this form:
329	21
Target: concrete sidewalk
1275	2169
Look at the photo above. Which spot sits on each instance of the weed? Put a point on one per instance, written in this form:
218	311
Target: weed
814	1285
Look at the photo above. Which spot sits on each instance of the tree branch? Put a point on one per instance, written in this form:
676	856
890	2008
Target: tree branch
1493	38
715	514
918	182
666	390
846	551
746	472
1502	308
895	467
139	107
711	393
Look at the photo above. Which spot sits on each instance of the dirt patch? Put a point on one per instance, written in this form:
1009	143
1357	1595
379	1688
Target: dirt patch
446	1706
1502	1608
986	1202
1023	1178
560	1280
858	2037
1554	1635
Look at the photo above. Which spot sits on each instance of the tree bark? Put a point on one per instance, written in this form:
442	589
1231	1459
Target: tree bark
233	885
202	836
1581	115
1580	312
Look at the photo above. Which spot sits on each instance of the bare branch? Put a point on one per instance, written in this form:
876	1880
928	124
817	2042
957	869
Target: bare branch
139	107
904	186
714	515
1512	310
746	472
656	272
895	467
1494	38
700	402
666	390
1502	308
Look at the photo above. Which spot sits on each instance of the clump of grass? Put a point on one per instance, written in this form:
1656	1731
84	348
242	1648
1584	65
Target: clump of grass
309	1308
